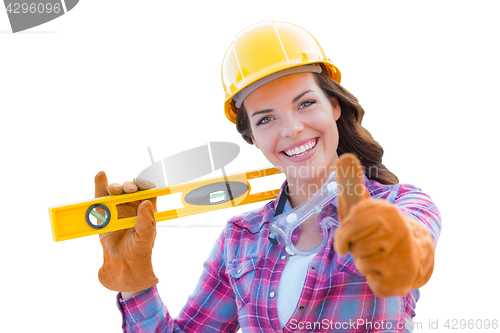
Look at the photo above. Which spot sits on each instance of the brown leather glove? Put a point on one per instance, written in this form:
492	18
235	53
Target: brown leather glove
127	263
395	252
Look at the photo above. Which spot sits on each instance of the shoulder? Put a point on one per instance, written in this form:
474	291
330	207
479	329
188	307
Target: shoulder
254	220
412	201
246	235
395	192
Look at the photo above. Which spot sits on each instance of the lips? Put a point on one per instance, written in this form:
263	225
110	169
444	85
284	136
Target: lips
300	149
302	156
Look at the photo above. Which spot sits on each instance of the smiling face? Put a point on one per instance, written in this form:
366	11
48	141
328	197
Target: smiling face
293	124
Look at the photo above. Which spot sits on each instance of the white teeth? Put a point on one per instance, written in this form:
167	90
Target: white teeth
301	149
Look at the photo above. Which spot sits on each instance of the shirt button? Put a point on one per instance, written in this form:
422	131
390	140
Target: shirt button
239	271
302	307
283	257
272	294
313	267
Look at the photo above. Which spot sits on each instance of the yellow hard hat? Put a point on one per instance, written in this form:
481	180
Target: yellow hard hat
266	48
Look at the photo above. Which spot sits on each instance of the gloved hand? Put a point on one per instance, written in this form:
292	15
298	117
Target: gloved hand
127	263
393	251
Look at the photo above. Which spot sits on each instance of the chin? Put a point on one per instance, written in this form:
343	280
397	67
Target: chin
305	173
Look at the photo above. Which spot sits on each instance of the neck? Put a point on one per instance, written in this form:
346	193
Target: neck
299	189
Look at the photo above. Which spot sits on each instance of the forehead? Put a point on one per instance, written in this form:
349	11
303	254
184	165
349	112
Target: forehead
283	89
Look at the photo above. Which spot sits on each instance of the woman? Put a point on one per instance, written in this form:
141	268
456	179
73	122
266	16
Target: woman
284	96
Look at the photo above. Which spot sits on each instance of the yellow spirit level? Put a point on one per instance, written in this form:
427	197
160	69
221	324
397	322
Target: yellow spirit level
72	221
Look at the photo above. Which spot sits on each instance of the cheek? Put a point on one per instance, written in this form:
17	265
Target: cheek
334	139
266	142
258	139
252	136
328	127
324	123
332	130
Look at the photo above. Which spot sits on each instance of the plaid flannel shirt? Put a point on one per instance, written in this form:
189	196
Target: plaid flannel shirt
239	283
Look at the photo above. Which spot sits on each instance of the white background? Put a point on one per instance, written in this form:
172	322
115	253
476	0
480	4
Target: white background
94	88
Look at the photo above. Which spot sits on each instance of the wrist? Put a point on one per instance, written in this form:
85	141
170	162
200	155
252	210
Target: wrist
128	294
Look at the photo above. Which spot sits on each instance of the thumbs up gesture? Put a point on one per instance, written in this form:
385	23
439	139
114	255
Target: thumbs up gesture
393	251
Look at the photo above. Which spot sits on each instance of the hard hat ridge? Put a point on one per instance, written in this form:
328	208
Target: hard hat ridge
242	94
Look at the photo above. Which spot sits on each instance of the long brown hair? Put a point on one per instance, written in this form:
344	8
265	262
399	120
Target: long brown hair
353	138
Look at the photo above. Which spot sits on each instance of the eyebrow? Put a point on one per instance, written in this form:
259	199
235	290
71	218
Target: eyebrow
262	111
293	101
299	96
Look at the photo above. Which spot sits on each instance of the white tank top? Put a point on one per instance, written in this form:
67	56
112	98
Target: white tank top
291	285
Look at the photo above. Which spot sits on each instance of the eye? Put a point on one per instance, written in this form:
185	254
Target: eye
306	104
264	120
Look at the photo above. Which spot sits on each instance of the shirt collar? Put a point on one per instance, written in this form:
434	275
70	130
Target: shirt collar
288	207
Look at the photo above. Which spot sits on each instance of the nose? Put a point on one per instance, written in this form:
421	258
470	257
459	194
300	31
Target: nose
291	126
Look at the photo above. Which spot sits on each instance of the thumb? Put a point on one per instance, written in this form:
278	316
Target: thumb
145	223
142	238
350	183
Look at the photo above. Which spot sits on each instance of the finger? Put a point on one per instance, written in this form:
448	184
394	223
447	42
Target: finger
130	208
367	224
145	225
351	234
375	245
350	183
115	189
382	281
153	201
101	185
374	230
370	271
144	184
129	187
